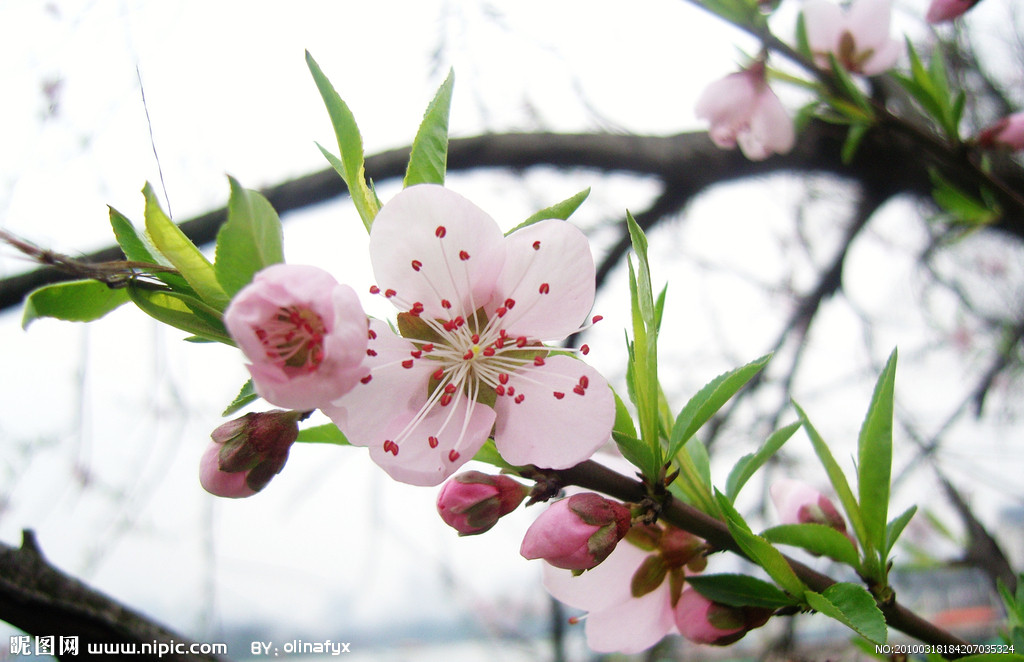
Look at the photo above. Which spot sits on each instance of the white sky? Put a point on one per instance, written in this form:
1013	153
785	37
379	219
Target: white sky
128	407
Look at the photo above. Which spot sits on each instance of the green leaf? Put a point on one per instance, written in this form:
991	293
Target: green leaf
73	301
895	528
180	311
740	591
136	247
854	137
245	396
961	205
489	453
561	210
748	465
817	539
852	606
350	144
182	253
709	400
760	551
835	476
636	453
698	453
874	458
849	88
249	240
328	433
429	158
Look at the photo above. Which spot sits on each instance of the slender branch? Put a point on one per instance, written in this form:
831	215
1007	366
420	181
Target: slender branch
591	475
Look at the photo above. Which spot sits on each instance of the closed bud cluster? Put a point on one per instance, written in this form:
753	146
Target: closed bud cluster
577	533
472	502
247	452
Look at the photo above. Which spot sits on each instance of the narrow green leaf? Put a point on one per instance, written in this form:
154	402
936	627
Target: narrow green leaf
182	253
246	396
748	465
249	240
852	606
835	476
636	453
698	453
623	420
874	457
350	144
180	311
854	137
429	158
707	401
561	210
760	551
895	527
328	433
72	301
739	591
849	87
136	247
817	539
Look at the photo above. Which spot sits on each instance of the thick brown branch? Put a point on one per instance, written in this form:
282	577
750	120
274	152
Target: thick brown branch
43	601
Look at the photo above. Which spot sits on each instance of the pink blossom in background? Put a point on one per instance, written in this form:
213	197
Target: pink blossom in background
705	622
576	533
475	307
1007	133
303	333
858	36
245	453
799	503
941	11
472	502
744	111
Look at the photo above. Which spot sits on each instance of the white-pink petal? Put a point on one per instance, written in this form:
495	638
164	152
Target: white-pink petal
634	625
564	415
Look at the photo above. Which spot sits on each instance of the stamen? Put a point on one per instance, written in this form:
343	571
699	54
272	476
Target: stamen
440	232
416	265
391	447
544	288
366	379
463	255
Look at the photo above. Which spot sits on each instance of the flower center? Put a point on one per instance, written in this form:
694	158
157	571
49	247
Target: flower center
294	338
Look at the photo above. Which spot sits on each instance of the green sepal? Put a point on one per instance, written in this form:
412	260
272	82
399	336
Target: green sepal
250	240
561	210
735	590
428	159
648	576
72	301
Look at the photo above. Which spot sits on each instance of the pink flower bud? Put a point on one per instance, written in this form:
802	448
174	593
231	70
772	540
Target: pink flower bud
576	533
705	622
799	503
941	11
472	502
303	333
1007	133
247	452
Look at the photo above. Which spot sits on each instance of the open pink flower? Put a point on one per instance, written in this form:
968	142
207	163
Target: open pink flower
858	37
630	598
303	332
743	110
475	307
941	11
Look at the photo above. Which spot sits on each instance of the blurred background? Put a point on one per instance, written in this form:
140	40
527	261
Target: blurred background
102	425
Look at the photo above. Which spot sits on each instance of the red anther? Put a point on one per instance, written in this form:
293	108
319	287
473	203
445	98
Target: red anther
584	381
416	353
536	245
261	334
389	293
500	342
585	349
463	255
538	360
374	289
366	379
488	351
510	303
499	389
468	355
500	312
519	398
503	377
449	388
521	341
544	288
371	334
596	318
475	338
446	399
459	321
511	390
391	447
579	390
446	304
453	455
559	395
440	231
438	374
432	441
429	347
449	325
371	352
416	309
416	265
407	364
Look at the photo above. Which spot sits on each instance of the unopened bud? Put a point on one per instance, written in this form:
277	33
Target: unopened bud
577	533
705	622
472	502
247	452
1007	133
799	503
